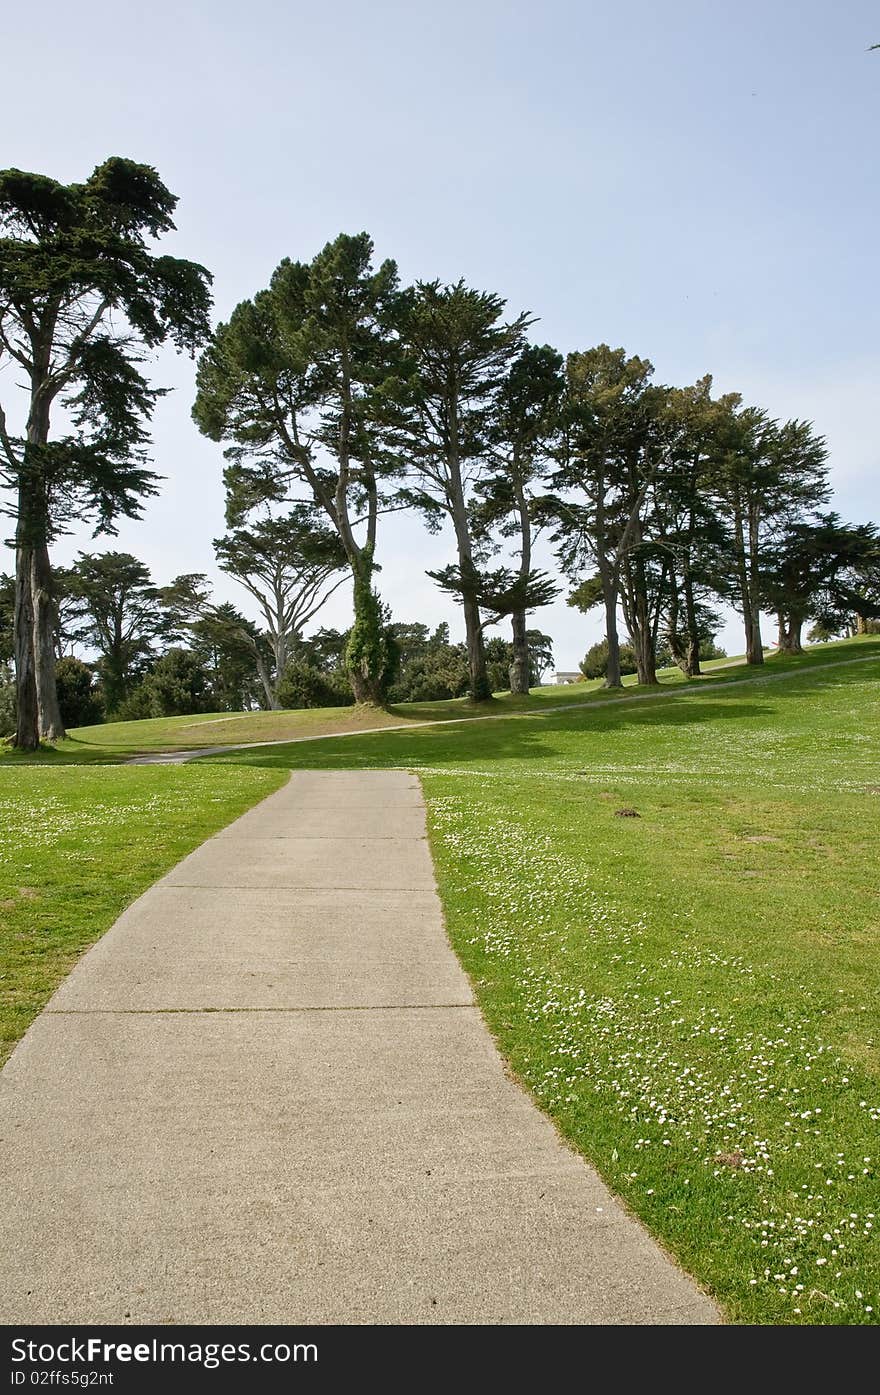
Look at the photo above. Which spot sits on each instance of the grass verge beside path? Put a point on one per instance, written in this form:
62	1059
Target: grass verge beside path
691	988
78	845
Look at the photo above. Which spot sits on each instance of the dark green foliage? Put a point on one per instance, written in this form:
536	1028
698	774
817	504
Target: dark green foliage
136	707
303	685
499	656
325	649
120	615
587	595
500	590
7	611
78	696
595	662
82	297
432	671
228	646
177	685
822	569
368	655
7	700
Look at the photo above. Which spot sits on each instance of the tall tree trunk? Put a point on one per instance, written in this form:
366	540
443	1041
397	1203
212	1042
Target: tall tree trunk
680	645
27	731
34	608
268	687
278	643
366	657
637	613
692	666
613	676
50	723
790	628
646	666
479	688
610	592
646	650
519	668
756	645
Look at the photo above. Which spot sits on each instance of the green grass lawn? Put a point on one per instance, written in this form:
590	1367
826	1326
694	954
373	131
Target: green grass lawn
78	845
692	993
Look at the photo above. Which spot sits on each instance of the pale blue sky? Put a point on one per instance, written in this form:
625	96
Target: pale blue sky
695	181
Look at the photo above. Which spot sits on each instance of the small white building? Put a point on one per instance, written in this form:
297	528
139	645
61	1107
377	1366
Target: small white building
569	677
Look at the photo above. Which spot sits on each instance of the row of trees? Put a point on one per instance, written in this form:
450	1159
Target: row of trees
340	396
339	391
128	649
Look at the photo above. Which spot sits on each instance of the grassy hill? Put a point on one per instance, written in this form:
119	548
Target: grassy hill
667	903
110	742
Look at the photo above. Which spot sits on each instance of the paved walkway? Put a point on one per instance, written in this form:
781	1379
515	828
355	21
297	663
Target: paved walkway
266	1096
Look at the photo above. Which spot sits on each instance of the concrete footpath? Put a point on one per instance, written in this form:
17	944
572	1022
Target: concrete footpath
266	1095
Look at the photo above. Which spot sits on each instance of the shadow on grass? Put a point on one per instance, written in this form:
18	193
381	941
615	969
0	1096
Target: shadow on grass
530	737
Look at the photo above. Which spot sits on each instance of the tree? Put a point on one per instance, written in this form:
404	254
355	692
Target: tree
540	651
501	660
685	516
524	426
80	704
289	565
595	661
459	350
299	381
303	684
121	616
177	685
234	655
326	649
613	439
767	476
809	571
82	297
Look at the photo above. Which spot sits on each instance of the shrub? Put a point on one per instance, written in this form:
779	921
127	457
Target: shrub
177	686
595	662
136	707
78	697
304	685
